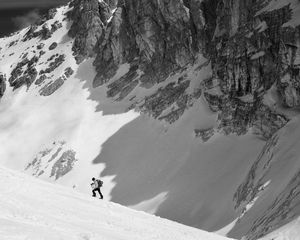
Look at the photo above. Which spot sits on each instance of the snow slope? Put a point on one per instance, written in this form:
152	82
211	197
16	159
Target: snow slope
35	210
290	231
277	175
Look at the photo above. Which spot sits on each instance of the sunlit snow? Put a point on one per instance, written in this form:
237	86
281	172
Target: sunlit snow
36	210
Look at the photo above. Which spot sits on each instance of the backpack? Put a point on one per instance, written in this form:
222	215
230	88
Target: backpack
100	183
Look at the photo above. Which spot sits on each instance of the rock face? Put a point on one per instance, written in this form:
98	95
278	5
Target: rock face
63	165
204	134
40	80
55	62
20	77
249	50
2	84
153	37
165	98
44	33
50	88
89	18
59	161
53	46
251	54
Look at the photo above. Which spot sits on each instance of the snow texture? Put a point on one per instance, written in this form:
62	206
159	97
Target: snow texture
36	210
290	231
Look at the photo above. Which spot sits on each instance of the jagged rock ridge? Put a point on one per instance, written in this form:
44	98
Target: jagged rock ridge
159	38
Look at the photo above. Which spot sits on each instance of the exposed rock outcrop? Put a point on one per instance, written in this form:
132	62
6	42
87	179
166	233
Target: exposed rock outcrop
89	19
51	87
40	46
247	60
69	72
24	73
204	134
58	60
2	84
44	33
53	46
165	98
41	79
59	161
64	164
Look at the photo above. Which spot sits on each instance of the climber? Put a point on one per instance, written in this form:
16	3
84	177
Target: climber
96	185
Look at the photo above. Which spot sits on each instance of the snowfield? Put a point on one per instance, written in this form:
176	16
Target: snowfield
290	231
32	209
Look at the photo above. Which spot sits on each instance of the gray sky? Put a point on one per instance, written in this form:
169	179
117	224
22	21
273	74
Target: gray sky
16	14
15	4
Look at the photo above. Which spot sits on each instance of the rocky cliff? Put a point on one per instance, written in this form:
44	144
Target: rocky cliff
250	51
241	58
249	48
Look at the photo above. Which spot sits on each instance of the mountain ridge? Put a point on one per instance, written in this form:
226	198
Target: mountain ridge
166	100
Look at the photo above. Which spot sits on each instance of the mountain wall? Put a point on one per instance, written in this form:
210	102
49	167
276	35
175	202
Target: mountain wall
249	48
250	51
177	104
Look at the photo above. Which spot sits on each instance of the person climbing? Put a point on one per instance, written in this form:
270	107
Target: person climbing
96	185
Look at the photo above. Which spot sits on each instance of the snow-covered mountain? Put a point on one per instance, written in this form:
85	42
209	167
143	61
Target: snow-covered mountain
186	109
